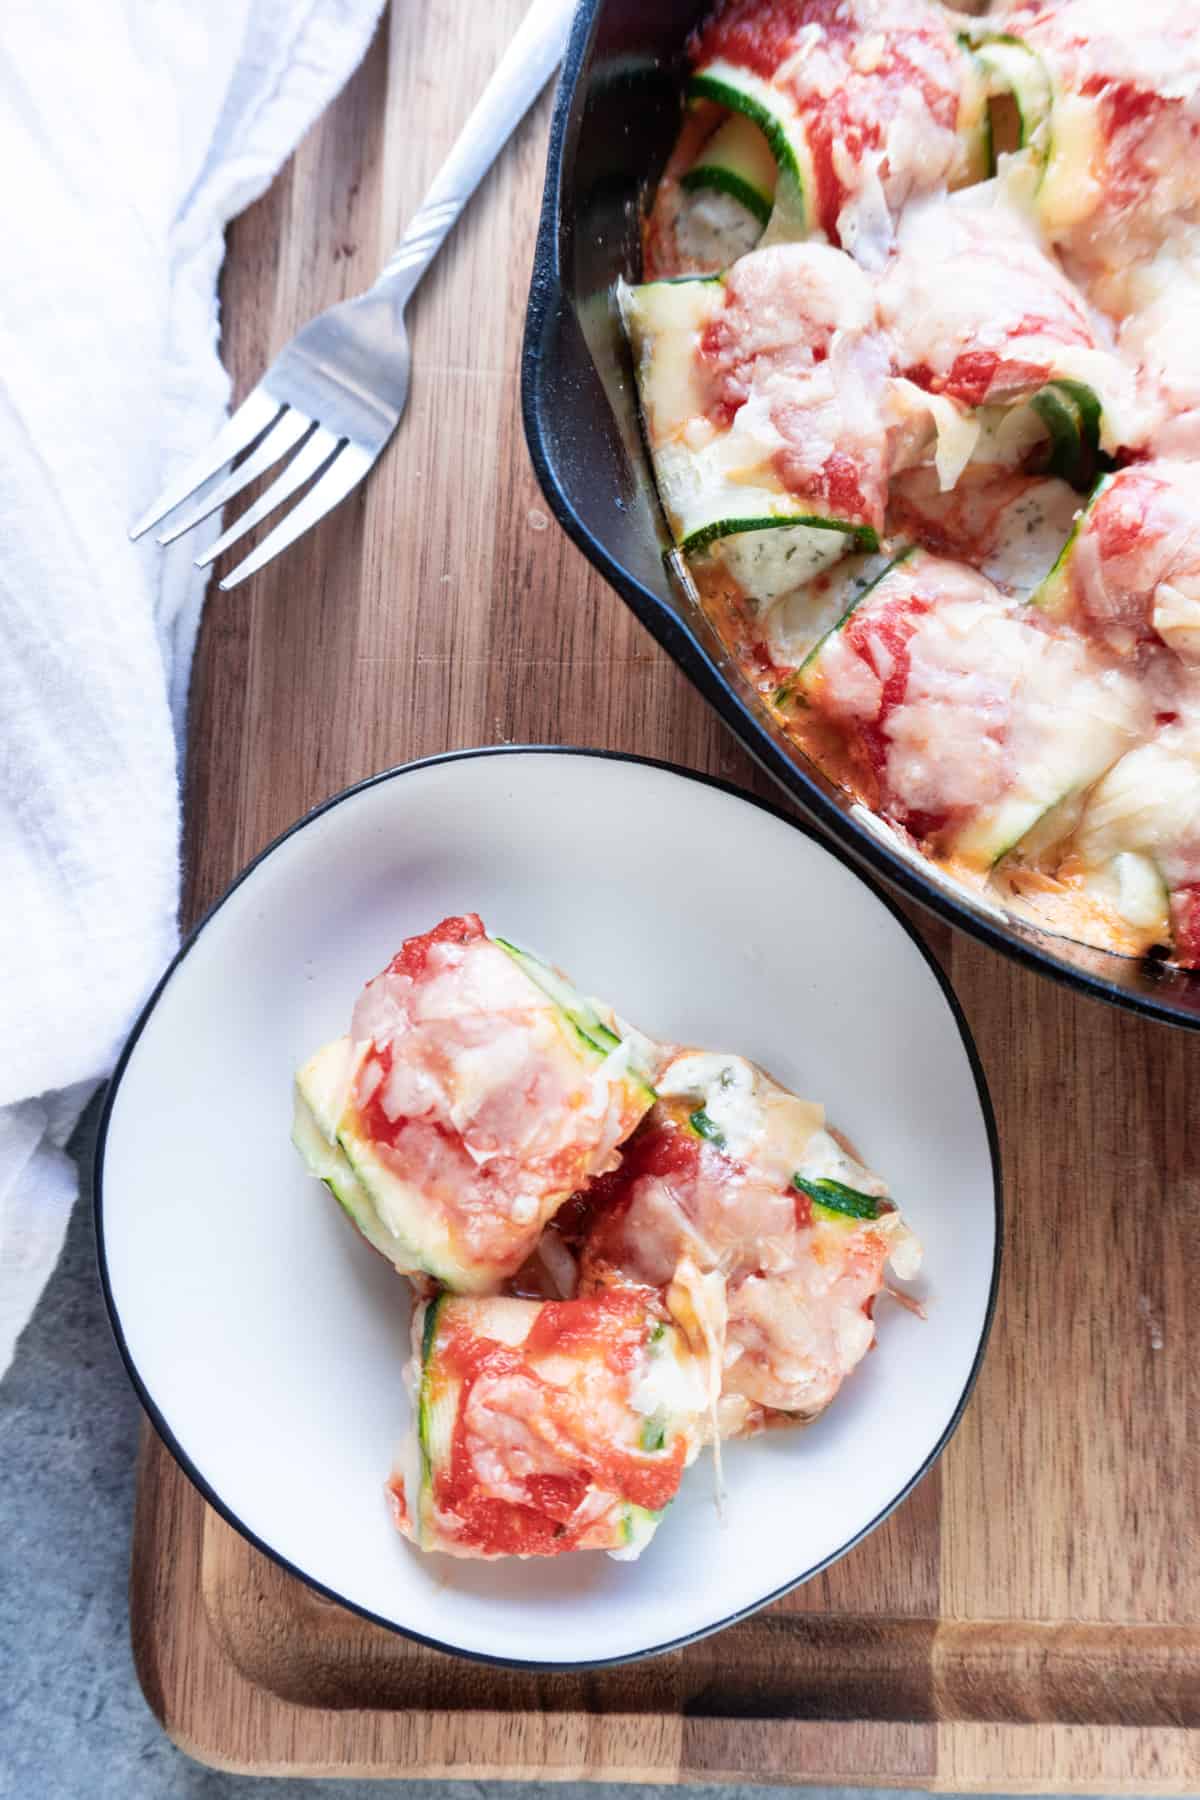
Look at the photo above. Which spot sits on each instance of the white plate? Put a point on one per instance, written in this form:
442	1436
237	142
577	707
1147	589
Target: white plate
266	1339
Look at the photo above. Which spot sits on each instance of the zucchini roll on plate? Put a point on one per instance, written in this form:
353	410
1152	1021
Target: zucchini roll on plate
476	1091
740	1181
546	1426
321	1394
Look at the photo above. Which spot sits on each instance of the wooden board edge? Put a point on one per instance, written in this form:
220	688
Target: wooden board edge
182	1687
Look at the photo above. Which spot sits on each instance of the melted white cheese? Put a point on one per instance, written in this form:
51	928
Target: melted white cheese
1149	803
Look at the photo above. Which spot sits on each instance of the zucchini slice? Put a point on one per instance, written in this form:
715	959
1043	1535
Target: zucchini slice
393	1215
638	1526
1009	525
325	1156
1012	70
738	161
777	118
599	1386
1058	130
582	1014
1072	414
1055	595
619	1044
1074	746
1070	725
805	614
1136	838
1132	886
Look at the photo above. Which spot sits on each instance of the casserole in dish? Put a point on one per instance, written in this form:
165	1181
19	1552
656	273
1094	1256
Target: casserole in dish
617	119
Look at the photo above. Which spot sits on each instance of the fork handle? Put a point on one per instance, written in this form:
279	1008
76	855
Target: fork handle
523	71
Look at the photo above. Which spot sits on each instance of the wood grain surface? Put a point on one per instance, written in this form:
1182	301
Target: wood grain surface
1030	1617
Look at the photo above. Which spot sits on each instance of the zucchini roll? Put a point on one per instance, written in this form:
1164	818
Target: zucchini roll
1129	875
741	1183
475	1092
547	1426
1115	133
854	133
975	310
759	390
1129	575
961	717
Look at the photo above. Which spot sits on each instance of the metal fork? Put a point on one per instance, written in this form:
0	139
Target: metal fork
335	394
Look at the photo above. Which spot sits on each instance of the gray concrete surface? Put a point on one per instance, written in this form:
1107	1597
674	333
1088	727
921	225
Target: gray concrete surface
73	1724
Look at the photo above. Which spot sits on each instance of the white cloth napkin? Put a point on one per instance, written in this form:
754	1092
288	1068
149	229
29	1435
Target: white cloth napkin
130	133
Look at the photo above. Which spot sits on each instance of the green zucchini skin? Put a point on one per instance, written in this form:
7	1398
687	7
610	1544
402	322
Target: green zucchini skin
421	1501
791	190
738	161
1053	596
703	1126
727	181
1072	414
836	1198
863	537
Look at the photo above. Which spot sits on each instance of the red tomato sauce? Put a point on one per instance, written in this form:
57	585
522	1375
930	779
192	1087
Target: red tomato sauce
668	1150
576	1220
1119	518
377	1127
1128	114
975	373
829	125
659	1150
662	1151
760	35
893	626
835	487
612	1323
413	954
1185	924
751	34
760	657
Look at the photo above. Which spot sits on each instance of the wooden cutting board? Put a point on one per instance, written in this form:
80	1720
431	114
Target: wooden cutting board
1030	1617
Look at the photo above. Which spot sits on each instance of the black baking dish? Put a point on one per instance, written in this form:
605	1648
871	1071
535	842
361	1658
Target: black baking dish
615	119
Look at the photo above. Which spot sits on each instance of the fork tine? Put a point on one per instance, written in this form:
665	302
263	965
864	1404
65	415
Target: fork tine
251	418
344	473
310	457
286	432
